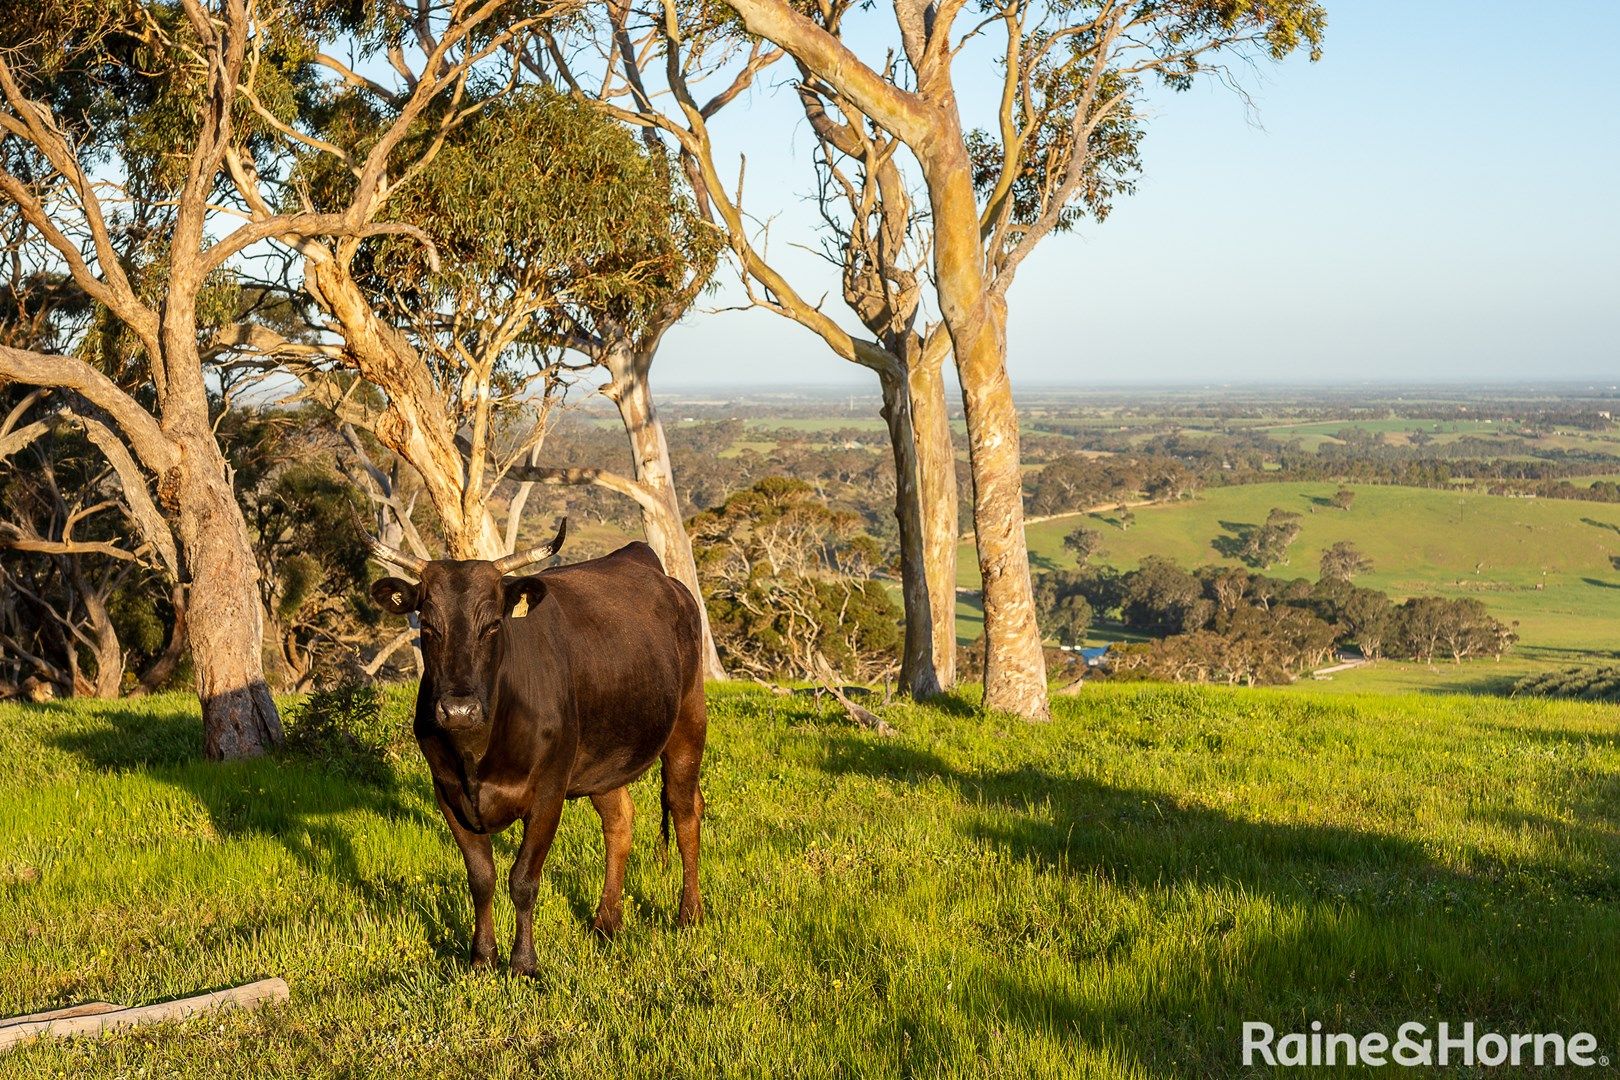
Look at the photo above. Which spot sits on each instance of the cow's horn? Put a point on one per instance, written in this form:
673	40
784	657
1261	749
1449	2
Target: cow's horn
521	559
387	554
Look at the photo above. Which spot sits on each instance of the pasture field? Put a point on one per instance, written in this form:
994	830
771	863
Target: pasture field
1543	563
1109	895
1396	429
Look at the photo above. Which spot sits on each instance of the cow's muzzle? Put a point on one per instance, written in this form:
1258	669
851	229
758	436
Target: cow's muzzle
460	712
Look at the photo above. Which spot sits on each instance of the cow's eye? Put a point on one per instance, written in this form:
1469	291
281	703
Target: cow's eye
489	631
428	633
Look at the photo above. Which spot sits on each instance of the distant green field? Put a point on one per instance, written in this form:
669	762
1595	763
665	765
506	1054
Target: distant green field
1108	896
1544	563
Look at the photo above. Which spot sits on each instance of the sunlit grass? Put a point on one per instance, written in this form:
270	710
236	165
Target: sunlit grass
1112	894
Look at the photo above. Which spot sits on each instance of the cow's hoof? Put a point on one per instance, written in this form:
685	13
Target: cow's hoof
523	964
607	923
484	960
690	915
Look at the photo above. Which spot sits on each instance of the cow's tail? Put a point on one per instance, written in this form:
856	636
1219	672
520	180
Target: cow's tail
663	799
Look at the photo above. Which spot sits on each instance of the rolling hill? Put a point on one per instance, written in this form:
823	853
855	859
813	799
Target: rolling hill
1547	564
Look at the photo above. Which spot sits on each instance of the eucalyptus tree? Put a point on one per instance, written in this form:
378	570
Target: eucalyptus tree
84	88
158	104
527	240
1067	119
658	62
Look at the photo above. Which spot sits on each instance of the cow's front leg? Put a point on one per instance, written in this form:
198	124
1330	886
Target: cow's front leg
538	830
480	860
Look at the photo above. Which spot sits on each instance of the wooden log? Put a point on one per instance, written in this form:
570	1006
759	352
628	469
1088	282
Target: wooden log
247	997
89	1008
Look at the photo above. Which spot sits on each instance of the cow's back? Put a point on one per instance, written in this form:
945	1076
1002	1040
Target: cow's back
633	643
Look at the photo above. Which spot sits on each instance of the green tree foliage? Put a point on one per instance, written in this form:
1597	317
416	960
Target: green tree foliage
541	213
1426	627
1344	498
1162	598
1261	546
1343	560
1077	483
1084	542
1249	645
1227	624
791	583
1269	544
1365	617
1063	607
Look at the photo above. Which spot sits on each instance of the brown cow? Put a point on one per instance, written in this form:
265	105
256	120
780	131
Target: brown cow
542	688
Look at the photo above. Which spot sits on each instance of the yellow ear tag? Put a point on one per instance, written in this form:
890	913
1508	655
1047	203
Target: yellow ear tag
521	608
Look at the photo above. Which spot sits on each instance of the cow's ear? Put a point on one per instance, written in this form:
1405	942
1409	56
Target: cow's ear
523	595
394	595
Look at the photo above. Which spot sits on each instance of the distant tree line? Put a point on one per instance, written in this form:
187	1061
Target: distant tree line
1180	468
1229	624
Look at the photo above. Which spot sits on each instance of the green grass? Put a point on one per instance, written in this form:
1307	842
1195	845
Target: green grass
1112	894
1543	563
1438	429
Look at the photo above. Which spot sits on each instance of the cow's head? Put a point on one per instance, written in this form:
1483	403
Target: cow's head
463	606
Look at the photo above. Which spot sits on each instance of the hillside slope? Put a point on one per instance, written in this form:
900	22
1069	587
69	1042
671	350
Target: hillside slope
1111	894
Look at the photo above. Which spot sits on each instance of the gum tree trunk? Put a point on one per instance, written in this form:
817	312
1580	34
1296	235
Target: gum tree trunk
661	518
928	120
225	624
1014	668
925	509
224	618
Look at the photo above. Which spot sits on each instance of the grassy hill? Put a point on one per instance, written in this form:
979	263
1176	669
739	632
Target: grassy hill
1544	563
1111	894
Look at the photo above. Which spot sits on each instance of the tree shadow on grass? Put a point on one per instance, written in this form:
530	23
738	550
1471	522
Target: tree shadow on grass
290	799
1037	561
1233	543
1474	684
295	800
1362	926
961	701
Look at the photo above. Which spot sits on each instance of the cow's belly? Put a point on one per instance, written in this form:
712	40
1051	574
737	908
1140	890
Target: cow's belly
616	749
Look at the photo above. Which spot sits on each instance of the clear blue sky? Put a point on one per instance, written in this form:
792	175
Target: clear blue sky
1434	200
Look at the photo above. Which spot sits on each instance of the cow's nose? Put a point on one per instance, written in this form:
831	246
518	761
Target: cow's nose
459	711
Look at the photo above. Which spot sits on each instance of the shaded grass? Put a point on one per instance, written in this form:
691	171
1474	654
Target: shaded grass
1112	894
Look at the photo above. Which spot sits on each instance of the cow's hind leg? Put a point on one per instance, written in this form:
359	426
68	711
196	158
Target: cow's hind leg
480	860
539	829
618	815
683	800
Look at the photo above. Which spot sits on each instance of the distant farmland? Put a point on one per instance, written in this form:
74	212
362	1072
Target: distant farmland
1544	563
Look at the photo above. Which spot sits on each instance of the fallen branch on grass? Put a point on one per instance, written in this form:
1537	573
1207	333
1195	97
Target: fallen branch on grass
98	1017
866	718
